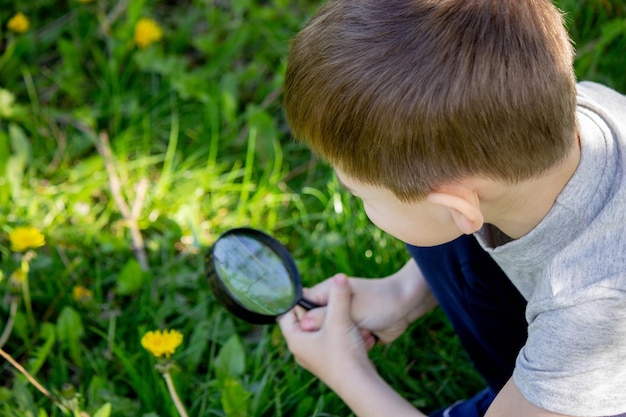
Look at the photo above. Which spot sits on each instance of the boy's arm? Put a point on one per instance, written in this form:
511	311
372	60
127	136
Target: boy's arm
368	395
337	355
384	306
511	402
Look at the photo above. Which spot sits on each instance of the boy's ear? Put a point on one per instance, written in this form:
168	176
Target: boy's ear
463	203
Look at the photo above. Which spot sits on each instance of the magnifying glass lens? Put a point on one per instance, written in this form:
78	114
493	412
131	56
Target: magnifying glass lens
254	274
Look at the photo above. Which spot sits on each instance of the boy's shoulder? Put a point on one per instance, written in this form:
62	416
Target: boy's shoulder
604	105
600	94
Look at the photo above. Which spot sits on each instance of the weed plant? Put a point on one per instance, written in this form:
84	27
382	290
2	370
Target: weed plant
131	152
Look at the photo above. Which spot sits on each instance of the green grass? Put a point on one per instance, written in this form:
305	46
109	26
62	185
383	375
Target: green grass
199	144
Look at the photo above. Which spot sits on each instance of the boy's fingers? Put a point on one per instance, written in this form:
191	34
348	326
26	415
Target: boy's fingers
319	293
313	319
288	322
369	341
339	300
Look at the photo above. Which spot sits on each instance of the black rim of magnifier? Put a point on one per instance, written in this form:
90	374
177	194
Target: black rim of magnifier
223	294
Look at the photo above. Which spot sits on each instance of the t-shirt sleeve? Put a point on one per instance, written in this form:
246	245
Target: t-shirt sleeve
574	361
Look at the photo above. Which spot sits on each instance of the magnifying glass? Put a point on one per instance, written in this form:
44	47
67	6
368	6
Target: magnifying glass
253	276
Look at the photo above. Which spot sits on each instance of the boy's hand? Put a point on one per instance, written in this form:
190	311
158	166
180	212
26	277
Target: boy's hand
384	307
336	348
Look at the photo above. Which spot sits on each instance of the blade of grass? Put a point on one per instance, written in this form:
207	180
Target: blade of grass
246	183
164	183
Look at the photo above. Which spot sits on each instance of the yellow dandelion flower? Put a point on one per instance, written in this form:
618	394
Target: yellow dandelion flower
26	237
162	343
147	32
82	294
18	23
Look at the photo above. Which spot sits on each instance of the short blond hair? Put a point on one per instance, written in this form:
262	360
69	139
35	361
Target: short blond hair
412	94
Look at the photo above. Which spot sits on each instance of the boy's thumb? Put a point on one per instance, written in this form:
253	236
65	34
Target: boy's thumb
339	299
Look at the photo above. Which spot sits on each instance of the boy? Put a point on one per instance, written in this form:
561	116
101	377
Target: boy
460	125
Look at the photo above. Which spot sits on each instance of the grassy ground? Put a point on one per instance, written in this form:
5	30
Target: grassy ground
105	145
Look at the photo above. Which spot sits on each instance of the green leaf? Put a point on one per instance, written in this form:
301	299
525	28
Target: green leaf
305	405
17	161
48	333
19	142
230	361
197	344
5	152
135	9
69	330
21	329
23	397
97	386
5	394
104	411
235	398
8	108
69	325
130	280
7	100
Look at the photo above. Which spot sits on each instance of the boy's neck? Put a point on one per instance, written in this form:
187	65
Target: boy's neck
517	209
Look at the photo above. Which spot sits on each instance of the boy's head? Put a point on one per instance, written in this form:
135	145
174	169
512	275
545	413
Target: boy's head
413	94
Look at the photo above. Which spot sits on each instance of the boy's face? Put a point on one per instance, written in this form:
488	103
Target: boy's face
417	223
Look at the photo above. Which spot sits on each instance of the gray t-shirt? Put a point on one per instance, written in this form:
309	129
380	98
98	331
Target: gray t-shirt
572	270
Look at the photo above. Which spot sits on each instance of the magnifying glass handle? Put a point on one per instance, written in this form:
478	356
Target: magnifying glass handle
307	304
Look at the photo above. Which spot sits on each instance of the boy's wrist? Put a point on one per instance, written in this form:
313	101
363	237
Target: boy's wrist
351	375
414	295
367	394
